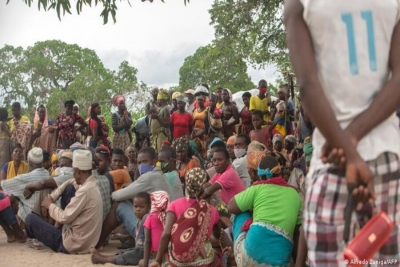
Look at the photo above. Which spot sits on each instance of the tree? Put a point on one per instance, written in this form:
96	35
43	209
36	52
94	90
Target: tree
64	6
254	29
51	72
216	67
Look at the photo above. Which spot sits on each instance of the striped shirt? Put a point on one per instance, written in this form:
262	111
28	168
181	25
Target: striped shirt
16	188
104	186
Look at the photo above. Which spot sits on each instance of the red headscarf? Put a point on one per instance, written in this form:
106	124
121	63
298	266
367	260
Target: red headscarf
117	99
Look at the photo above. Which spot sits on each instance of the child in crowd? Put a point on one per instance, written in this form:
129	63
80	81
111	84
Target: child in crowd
154	226
8	221
262	135
141	208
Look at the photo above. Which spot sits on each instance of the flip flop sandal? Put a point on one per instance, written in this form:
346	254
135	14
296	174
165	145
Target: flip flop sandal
34	243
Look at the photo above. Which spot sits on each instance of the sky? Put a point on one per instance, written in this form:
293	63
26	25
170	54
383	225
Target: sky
153	37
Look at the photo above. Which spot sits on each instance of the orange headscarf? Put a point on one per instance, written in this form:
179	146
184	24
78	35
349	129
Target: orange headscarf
254	159
120	177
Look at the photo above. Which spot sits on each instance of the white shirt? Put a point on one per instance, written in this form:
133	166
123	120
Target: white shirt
351	41
240	166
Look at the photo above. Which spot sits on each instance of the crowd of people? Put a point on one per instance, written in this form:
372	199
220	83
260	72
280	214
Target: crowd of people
165	186
199	182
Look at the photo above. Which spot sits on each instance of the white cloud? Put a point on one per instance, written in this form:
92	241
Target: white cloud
153	37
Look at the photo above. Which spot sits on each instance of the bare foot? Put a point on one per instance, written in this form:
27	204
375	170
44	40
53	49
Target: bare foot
96	257
10	239
227	247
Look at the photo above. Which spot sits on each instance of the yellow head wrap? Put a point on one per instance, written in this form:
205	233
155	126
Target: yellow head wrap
163	94
175	95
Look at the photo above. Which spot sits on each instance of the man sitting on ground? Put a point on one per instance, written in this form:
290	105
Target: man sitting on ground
82	216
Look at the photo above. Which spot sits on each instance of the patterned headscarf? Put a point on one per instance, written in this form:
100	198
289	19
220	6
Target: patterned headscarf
117	99
163	94
181	144
254	158
195	179
159	204
277	137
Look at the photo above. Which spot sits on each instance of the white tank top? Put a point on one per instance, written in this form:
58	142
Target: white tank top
352	42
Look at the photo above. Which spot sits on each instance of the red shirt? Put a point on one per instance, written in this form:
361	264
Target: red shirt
262	135
181	123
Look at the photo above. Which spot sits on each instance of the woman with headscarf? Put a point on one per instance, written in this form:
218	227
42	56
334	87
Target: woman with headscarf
202	90
121	123
160	121
253	160
183	162
174	102
6	143
230	113
199	115
213	121
44	134
154	226
268	236
277	143
20	128
181	121
282	120
189	224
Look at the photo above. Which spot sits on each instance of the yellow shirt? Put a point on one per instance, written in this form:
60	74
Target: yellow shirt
219	105
260	104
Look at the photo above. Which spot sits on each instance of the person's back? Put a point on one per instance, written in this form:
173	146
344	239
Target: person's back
273	204
358	68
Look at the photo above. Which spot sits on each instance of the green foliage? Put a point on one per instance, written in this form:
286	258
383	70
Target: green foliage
253	29
217	67
52	72
64	6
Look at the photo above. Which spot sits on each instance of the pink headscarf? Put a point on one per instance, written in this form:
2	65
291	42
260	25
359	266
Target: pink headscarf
117	99
36	120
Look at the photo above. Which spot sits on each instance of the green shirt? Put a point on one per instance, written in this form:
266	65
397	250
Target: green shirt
274	204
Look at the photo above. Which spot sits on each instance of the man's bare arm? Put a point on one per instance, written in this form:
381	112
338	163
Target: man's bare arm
313	97
387	101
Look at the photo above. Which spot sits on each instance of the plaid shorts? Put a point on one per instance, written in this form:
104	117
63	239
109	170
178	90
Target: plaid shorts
326	199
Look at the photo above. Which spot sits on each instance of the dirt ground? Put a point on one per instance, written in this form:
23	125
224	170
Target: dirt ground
20	255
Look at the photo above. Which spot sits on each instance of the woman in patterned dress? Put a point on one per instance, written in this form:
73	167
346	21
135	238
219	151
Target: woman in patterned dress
121	123
189	224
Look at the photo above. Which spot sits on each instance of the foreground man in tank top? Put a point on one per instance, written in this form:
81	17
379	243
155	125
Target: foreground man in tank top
346	56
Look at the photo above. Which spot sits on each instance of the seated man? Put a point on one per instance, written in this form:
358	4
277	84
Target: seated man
151	179
15	187
81	217
226	179
240	163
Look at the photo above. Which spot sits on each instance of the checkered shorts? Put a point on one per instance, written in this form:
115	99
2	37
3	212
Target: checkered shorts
326	200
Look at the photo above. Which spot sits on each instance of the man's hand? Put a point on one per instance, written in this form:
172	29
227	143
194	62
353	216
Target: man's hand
336	155
28	193
359	175
47	201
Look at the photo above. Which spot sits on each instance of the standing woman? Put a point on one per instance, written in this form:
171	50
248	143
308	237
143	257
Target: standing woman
20	128
95	126
160	120
245	115
213	121
6	143
230	114
199	116
44	134
65	125
181	121
121	123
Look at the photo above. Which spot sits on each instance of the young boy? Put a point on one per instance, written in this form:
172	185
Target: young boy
262	135
141	208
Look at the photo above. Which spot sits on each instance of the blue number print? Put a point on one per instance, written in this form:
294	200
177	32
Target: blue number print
369	20
347	18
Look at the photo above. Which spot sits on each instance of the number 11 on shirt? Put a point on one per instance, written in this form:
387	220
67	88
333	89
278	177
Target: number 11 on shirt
347	18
